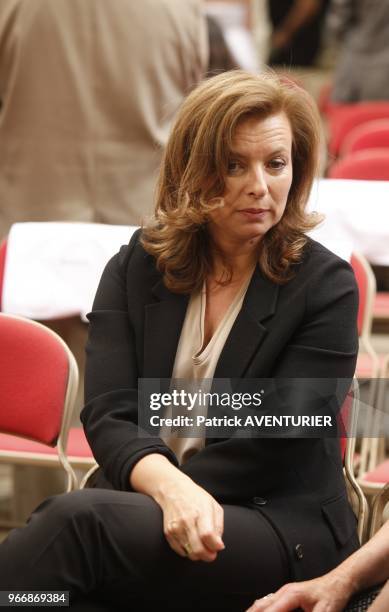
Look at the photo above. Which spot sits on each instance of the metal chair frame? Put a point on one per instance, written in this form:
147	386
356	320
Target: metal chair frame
362	512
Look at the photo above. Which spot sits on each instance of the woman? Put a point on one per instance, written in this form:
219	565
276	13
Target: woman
223	284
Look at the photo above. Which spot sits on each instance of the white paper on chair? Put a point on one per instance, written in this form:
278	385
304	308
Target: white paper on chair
356	217
52	269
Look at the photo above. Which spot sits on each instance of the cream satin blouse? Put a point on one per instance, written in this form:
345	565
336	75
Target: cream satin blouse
195	365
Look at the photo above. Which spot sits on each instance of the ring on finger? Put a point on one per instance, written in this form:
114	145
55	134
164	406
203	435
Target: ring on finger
172	524
268	596
187	548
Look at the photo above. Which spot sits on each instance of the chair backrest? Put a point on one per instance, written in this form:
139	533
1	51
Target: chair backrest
38	379
367	290
344	117
369	135
368	164
349	417
377	441
343	420
3	254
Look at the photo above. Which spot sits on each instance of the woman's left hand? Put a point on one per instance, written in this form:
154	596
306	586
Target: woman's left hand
193	520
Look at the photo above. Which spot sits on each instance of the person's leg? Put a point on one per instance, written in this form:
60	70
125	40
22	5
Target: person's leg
110	545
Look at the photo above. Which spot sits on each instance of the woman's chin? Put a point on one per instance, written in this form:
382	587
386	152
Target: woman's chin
254	234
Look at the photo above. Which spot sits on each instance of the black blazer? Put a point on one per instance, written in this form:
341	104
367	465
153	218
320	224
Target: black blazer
305	328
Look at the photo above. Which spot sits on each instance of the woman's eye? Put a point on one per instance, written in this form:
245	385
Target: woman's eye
277	164
234	167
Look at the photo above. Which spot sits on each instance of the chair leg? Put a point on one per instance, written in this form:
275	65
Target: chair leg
378	506
89	473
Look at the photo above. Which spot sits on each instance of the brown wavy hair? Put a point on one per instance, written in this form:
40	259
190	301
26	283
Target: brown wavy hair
194	168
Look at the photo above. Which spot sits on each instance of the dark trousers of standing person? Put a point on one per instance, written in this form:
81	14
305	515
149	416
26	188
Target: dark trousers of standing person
107	548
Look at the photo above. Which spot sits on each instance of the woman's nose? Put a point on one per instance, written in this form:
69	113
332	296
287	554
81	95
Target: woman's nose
257	184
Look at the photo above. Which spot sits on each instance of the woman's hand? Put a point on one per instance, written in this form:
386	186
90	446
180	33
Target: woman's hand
192	519
329	593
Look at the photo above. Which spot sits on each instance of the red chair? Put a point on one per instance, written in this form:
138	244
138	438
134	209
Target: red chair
376	475
3	254
38	386
345	117
366	368
369	135
369	164
373	165
78	450
373	469
369	364
381	306
349	418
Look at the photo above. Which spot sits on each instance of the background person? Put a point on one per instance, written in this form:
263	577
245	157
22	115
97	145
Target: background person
223	284
362	28
235	18
297	27
89	89
220	56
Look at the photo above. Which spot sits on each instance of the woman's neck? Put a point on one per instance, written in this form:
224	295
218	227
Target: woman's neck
239	260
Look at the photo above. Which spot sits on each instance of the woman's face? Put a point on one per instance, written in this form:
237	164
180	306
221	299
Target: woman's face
257	183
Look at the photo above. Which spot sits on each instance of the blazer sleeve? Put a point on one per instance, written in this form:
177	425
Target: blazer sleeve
325	345
111	378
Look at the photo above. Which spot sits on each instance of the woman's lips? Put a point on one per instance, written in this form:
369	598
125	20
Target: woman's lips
254	212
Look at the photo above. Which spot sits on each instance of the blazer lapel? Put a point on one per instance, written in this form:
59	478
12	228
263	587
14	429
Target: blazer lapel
165	317
248	332
163	323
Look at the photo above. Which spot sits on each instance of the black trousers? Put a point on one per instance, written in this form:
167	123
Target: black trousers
108	549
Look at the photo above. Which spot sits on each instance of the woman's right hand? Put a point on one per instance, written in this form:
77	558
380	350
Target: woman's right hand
192	519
